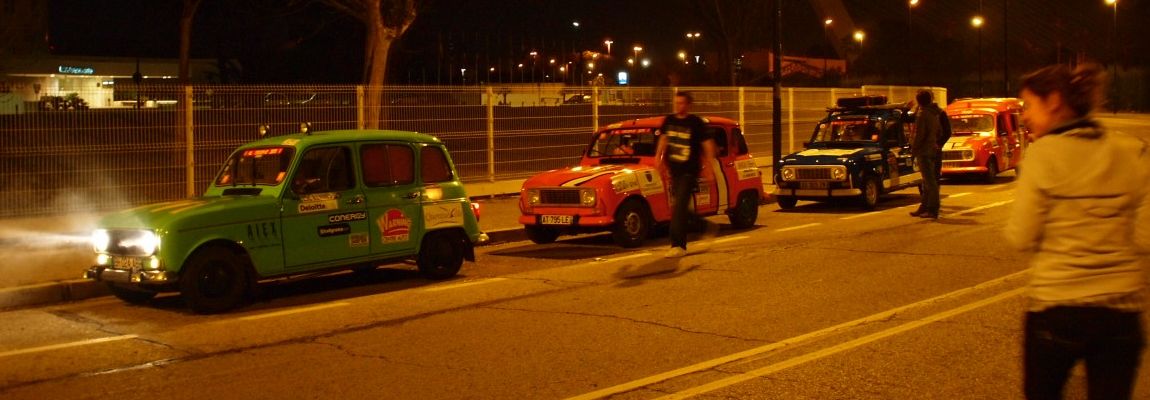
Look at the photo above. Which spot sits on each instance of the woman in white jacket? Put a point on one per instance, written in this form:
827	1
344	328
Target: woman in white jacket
1082	209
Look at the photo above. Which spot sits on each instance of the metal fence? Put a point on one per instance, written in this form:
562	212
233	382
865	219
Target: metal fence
62	157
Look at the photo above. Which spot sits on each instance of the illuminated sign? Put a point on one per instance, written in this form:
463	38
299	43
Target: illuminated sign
622	78
261	152
74	70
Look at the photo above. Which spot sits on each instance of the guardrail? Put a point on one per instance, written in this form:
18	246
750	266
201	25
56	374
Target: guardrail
59	157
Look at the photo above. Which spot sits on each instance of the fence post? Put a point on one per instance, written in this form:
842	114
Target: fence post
833	94
359	107
595	109
674	90
189	138
743	108
791	120
490	134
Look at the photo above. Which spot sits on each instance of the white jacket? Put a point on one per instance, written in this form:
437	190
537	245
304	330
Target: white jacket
1082	206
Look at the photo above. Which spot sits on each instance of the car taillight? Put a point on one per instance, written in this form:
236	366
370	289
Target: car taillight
475	209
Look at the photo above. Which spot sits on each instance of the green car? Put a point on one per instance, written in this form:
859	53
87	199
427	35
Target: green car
293	205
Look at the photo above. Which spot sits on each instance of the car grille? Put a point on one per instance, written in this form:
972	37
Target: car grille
953	165
953	155
559	196
813	174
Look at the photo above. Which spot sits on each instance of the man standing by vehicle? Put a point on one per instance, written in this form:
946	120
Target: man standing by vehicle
685	151
926	150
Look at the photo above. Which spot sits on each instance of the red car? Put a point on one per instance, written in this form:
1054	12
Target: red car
617	188
988	138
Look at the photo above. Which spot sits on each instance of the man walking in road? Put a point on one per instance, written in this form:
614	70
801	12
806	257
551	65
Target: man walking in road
926	150
687	152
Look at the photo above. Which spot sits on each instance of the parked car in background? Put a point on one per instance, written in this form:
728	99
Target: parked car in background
861	150
988	138
294	205
617	188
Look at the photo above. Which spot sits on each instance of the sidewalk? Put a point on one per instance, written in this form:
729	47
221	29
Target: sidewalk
42	258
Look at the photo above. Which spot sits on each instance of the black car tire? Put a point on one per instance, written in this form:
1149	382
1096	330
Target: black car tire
870	193
632	224
746	211
787	202
214	280
441	255
991	171
541	234
131	295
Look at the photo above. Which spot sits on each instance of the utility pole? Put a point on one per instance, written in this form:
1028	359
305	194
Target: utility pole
776	94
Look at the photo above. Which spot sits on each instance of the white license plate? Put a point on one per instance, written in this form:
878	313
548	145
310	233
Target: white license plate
127	263
556	220
813	185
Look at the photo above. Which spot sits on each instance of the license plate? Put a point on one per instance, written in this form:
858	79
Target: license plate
813	185
126	263
556	220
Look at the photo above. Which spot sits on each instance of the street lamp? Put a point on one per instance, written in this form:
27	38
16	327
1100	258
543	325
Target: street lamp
521	73
637	49
646	63
1114	48
910	34
693	37
463	75
977	22
826	36
608	42
860	36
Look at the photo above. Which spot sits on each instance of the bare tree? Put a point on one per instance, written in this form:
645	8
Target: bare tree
384	22
736	25
186	18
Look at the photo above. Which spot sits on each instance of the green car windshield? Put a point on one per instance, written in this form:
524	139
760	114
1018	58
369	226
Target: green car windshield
258	166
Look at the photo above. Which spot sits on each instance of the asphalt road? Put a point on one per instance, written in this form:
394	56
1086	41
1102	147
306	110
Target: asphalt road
821	302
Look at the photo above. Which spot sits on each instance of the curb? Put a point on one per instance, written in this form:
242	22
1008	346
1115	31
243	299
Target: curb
51	292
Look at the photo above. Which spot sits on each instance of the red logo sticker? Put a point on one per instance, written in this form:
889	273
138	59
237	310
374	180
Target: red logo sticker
394	226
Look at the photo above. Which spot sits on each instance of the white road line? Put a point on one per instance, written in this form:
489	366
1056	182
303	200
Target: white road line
979	208
730	239
795	228
65	345
957	195
463	284
995	187
757	373
857	216
705	365
293	311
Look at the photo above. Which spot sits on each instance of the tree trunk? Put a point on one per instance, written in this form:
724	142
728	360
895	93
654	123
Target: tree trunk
375	71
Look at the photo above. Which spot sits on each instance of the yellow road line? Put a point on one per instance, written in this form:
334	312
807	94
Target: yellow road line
795	228
757	373
705	365
65	345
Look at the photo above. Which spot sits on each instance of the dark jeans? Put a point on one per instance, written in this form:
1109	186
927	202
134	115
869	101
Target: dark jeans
682	190
929	167
1109	341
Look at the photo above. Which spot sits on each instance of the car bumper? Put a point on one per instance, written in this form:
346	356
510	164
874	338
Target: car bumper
964	170
817	192
104	274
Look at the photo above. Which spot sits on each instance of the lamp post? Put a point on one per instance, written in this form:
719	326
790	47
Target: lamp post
827	36
910	34
521	79
533	55
859	37
977	22
608	42
551	63
1114	48
693	37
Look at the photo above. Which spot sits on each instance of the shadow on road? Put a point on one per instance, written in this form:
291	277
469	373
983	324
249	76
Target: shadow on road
850	206
631	275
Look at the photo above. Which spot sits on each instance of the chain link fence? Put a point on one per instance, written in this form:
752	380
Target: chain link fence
59	157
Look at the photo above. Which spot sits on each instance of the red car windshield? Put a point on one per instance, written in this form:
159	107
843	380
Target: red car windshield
259	166
629	142
971	124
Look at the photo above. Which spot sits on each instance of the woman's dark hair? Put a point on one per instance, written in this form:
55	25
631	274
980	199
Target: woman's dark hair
686	95
1081	88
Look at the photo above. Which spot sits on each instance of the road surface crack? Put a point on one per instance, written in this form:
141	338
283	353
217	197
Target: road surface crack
633	320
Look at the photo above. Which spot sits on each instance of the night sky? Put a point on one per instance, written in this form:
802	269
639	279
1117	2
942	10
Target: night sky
313	44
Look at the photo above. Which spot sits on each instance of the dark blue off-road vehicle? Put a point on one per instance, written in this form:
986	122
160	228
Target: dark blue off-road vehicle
860	150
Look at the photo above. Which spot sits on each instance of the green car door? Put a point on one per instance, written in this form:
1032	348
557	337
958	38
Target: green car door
392	197
324	211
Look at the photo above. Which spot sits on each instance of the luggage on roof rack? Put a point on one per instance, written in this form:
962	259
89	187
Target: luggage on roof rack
861	101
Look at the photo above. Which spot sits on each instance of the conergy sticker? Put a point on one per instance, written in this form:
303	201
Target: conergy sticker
394	226
347	217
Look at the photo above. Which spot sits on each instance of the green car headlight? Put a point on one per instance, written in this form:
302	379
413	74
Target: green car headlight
142	242
587	197
101	240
